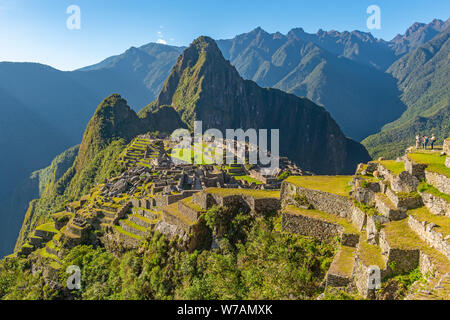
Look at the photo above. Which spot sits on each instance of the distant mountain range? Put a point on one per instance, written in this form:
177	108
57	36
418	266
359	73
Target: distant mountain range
423	77
356	77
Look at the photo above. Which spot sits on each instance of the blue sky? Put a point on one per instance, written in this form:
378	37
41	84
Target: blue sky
35	30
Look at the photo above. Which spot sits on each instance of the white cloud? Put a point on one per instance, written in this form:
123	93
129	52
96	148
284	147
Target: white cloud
161	41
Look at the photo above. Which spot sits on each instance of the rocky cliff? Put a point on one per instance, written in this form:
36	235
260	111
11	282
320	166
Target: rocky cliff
204	86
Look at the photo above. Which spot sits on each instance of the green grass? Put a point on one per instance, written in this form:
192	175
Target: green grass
316	214
134	225
344	261
386	200
425	187
338	185
248	179
370	211
369	254
47	227
192	205
173	211
245	192
400	236
433	160
129	234
44	254
442	222
393	166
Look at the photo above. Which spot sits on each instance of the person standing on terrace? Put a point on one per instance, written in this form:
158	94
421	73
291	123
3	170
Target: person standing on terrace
433	141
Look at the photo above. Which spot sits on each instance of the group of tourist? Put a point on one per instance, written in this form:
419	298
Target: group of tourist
424	141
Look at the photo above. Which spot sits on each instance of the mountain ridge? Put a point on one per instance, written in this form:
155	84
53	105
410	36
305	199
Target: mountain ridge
204	86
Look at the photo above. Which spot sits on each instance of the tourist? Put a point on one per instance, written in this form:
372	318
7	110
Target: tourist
418	141
433	141
425	142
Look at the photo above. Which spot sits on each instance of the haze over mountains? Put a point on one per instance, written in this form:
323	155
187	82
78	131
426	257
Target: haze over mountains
352	74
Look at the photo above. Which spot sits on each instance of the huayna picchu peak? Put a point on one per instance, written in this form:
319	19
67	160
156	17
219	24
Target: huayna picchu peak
204	86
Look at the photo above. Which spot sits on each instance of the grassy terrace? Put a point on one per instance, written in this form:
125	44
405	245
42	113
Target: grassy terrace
47	227
44	254
62	214
338	185
442	222
400	236
344	261
129	234
192	205
134	225
432	159
316	214
142	218
369	254
173	211
248	179
258	194
385	200
393	166
425	187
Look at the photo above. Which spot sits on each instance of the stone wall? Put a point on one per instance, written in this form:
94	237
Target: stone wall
255	205
446	147
188	211
404	260
373	233
415	169
436	205
447	162
404	182
435	239
361	278
330	203
316	228
365	195
359	218
408	201
439	181
311	227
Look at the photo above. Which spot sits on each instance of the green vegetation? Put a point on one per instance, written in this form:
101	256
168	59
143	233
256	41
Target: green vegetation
344	261
338	185
47	227
15	275
284	175
425	187
433	160
245	192
423	79
442	222
370	254
399	236
396	167
370	211
249	179
316	214
262	264
71	186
